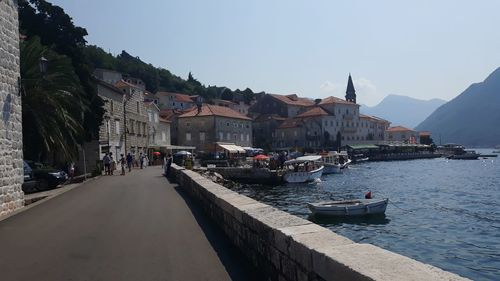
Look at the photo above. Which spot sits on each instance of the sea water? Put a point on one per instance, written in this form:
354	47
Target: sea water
442	212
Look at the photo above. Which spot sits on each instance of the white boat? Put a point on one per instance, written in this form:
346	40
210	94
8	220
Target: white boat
303	169
335	162
467	155
357	207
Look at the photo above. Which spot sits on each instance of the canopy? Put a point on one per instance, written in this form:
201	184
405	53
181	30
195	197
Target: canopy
232	148
261	157
304	159
363	146
183	152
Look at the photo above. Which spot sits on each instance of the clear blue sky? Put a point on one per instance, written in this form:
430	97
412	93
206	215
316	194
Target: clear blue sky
423	49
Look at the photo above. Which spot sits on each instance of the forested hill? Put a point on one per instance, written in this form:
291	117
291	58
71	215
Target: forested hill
472	118
159	79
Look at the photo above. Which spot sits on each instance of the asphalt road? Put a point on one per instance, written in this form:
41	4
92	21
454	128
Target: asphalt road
133	227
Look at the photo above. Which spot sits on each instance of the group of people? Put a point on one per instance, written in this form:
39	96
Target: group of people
125	162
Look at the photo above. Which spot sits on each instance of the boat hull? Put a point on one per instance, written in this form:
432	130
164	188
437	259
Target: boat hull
332	169
299	177
349	208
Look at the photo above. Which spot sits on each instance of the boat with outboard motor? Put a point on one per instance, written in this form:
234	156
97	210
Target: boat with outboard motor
303	169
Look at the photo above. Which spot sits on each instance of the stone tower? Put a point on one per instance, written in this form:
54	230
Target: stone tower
11	139
350	93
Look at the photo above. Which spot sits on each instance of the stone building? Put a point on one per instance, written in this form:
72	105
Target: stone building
111	137
11	140
168	100
401	135
205	125
158	129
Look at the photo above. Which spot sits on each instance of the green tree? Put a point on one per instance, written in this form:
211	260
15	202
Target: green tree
52	103
56	29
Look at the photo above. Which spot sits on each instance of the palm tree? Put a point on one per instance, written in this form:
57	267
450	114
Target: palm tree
52	104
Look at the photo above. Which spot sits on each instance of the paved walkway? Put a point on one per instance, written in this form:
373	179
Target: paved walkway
133	227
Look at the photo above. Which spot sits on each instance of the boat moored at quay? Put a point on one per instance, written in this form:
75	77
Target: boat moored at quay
303	169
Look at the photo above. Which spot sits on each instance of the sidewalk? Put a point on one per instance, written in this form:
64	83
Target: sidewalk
133	227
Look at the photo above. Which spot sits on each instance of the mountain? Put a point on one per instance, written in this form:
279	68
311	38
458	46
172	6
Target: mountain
472	118
402	110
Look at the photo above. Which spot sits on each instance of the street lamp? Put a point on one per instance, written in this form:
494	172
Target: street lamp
43	63
43	66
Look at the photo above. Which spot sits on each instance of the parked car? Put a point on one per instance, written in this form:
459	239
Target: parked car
30	184
47	176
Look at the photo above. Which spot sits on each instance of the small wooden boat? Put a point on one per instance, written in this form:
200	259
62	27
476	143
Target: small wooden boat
303	169
357	207
335	162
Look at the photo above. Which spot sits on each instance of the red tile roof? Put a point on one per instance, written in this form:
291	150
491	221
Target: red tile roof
177	96
313	112
399	129
164	120
293	100
375	118
330	100
291	123
424	134
122	84
215	110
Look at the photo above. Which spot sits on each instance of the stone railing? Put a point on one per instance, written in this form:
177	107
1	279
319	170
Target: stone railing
286	247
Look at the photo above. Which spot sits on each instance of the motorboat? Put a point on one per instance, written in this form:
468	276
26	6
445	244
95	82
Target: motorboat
303	169
335	162
356	207
467	155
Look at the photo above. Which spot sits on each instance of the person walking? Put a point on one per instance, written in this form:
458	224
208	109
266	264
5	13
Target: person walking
112	164
167	165
123	162
141	160
107	162
129	162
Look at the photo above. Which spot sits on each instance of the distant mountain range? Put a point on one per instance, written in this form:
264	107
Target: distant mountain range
402	110
472	118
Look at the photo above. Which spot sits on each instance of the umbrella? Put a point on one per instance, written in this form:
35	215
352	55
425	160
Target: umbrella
183	153
156	153
261	157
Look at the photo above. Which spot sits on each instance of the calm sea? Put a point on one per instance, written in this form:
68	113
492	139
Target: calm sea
442	212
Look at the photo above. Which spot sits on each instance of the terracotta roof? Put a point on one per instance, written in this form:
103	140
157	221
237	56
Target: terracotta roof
315	111
214	110
375	118
109	86
424	133
265	117
122	84
178	97
330	100
399	129
293	100
223	101
170	114
164	120
291	123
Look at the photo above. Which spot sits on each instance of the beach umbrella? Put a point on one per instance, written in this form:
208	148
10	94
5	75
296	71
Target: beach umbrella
261	157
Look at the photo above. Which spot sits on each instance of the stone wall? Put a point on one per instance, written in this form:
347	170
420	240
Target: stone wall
286	247
11	145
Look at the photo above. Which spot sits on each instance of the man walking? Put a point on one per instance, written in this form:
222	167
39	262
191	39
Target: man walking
122	163
141	160
129	162
107	164
167	165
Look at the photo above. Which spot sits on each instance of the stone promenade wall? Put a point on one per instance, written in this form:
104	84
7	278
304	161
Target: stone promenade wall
286	247
11	140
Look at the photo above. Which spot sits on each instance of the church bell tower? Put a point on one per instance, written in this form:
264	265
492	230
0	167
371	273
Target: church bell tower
350	93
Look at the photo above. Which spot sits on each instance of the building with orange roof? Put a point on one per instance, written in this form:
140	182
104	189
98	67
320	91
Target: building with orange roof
205	125
283	105
401	134
158	130
169	100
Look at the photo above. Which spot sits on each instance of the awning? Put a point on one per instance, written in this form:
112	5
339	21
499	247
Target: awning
363	146
232	148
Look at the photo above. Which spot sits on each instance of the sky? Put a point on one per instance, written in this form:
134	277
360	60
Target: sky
422	49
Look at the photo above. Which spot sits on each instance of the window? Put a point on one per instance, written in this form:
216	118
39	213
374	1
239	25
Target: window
188	124
117	127
282	134
248	137
150	116
202	136
228	136
156	117
111	106
326	123
163	136
227	124
242	138
138	108
108	127
131	126
188	136
144	129
221	136
295	133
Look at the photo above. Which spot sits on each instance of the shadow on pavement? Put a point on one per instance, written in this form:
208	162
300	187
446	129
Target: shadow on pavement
237	266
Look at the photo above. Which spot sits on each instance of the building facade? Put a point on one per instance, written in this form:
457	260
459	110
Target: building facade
205	125
158	129
168	100
11	140
401	134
